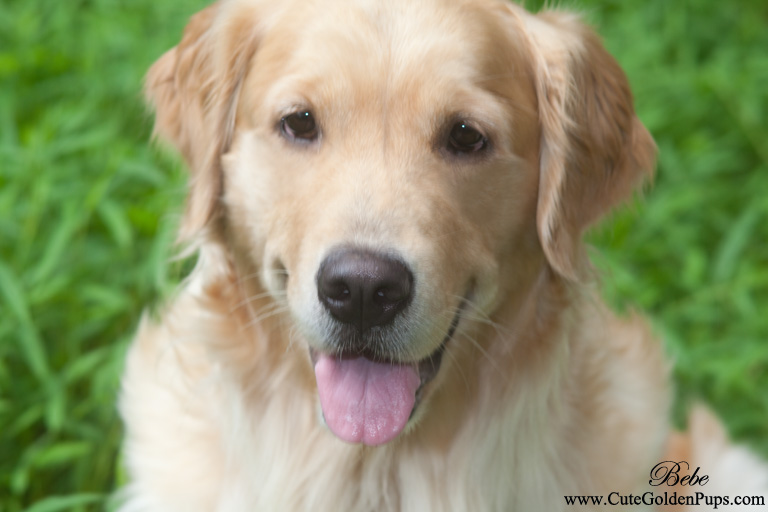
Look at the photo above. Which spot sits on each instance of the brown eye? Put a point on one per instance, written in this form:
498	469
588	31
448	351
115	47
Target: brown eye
299	126
465	139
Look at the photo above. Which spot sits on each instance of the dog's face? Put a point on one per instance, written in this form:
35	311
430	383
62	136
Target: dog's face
393	171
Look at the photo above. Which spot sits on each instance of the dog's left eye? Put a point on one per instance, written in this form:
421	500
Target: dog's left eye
299	126
465	139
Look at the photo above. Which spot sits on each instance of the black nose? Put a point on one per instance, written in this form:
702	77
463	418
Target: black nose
363	288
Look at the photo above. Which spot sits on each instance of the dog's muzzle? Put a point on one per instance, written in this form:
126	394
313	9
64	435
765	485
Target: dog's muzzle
368	395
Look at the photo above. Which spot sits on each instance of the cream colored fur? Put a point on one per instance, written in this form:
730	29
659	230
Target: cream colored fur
543	392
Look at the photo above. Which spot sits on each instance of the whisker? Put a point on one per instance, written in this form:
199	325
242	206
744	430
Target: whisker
271	310
291	338
242	278
474	343
484	352
478	315
458	368
256	297
247	277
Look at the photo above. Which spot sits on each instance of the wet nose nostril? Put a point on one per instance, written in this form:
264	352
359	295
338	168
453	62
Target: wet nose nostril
363	288
390	296
337	291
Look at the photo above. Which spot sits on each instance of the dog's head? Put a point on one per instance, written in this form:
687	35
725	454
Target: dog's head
395	170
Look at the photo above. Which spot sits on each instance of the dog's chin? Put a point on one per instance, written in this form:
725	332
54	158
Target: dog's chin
369	399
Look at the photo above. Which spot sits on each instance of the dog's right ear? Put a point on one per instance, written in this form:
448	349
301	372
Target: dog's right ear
194	88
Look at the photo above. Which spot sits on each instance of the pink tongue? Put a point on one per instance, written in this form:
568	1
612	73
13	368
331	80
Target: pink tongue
364	401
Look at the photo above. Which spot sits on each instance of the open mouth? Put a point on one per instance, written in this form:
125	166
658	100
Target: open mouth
370	401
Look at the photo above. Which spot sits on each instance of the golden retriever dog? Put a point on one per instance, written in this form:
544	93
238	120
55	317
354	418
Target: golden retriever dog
392	309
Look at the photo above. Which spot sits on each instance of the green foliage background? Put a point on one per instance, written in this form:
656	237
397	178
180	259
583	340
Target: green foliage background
88	209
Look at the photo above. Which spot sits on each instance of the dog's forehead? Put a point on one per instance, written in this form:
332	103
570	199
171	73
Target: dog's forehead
353	50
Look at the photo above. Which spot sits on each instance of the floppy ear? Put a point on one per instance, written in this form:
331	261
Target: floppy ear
594	150
194	89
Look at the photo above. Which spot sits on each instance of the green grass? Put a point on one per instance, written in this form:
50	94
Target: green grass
88	209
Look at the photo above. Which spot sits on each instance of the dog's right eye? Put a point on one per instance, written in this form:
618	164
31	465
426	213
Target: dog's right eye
464	139
299	126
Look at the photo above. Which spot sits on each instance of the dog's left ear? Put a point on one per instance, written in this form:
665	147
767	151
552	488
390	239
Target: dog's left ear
594	149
